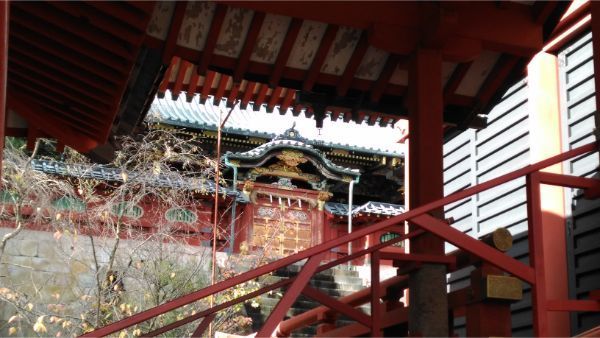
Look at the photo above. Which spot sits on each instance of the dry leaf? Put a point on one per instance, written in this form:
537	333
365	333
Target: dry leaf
39	326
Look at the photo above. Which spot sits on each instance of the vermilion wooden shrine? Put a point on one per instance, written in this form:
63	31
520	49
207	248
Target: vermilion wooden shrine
80	72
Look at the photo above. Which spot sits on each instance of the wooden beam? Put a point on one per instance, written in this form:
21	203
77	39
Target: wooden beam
315	67
287	100
206	87
41	21
162	88
336	305
284	51
248	94
211	39
249	43
275	95
384	77
192	86
53	126
497	77
123	12
85	91
174	27
290	296
262	93
104	77
24	39
355	60
221	88
107	24
455	79
183	67
72	96
203	325
79	118
233	94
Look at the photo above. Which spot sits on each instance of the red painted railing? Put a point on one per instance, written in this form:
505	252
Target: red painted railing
532	274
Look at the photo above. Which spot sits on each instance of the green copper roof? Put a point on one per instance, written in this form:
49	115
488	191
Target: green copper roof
335	134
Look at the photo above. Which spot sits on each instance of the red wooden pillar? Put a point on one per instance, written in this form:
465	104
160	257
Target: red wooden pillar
485	317
4	15
545	131
428	303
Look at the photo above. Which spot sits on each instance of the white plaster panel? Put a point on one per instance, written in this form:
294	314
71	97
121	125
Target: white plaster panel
372	64
233	32
196	25
270	38
477	73
341	51
307	44
161	20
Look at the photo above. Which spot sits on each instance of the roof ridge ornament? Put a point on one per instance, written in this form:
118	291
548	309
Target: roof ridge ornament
291	134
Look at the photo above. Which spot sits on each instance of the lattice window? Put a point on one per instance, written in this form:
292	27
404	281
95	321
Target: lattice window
181	215
128	210
69	203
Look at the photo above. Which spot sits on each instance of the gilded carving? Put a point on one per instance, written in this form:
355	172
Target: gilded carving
248	187
292	158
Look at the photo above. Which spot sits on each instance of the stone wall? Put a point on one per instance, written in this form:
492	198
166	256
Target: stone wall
56	272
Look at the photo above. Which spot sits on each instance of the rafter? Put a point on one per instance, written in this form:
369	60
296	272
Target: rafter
174	27
183	67
211	39
249	43
353	63
248	94
384	77
37	115
275	94
55	27
284	51
287	101
315	67
24	39
206	87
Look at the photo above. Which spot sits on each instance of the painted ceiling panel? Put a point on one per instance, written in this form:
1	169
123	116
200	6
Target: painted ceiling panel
161	18
196	25
233	33
271	36
339	54
447	70
307	44
400	77
372	64
477	73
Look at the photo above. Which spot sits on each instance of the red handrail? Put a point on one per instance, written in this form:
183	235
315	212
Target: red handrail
221	286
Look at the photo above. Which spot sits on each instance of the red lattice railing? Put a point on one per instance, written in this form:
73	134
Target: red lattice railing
532	274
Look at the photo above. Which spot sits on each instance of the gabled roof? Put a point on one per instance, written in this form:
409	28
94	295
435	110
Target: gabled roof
376	208
290	139
111	174
258	123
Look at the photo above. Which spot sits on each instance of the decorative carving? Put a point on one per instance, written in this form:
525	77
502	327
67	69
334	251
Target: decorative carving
324	196
285	183
297	215
292	158
248	187
267	212
235	163
280	169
